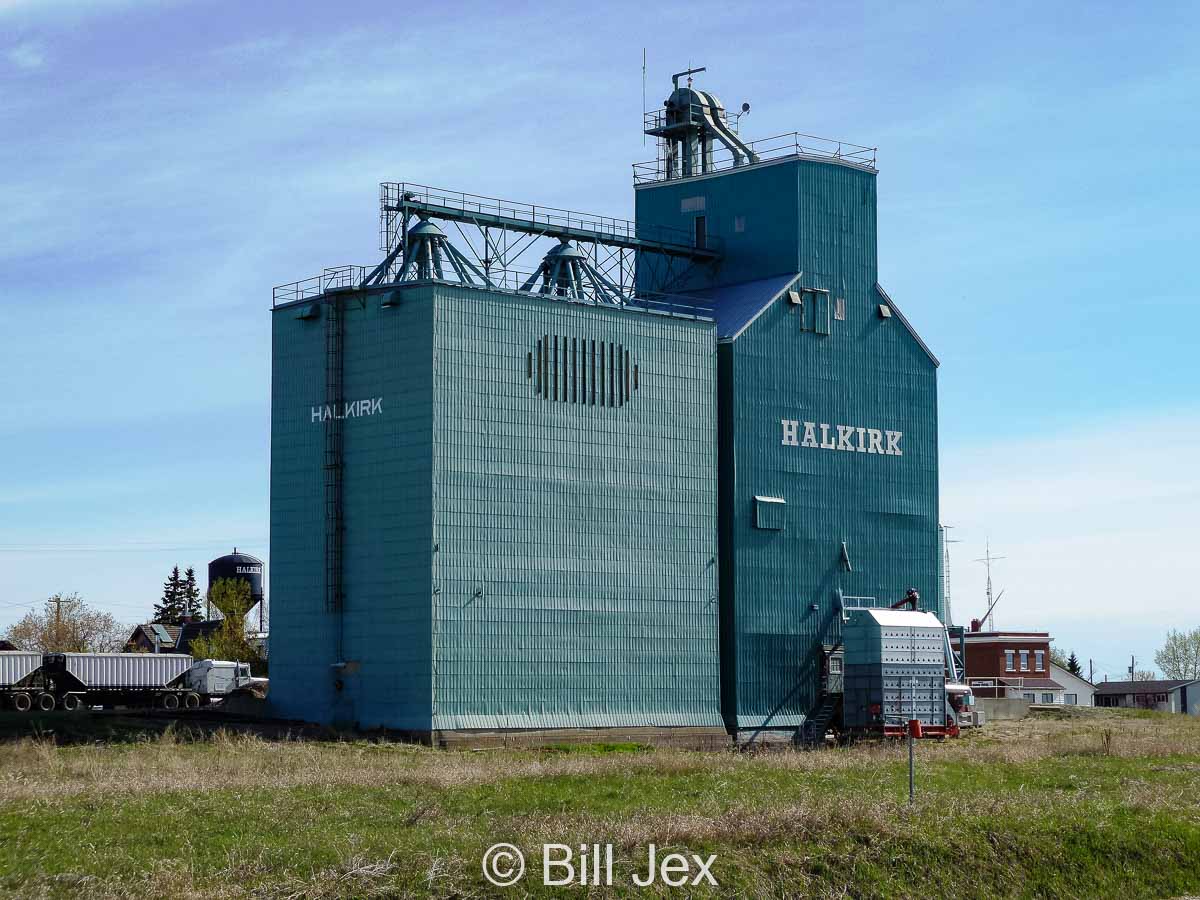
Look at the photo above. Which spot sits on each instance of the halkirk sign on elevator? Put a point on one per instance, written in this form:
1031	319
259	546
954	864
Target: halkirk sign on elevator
352	409
851	438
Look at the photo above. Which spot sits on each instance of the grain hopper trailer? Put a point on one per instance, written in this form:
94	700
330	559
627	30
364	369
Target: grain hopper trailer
74	680
22	685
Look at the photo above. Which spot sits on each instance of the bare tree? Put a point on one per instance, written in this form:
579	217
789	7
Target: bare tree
1145	675
68	625
1180	656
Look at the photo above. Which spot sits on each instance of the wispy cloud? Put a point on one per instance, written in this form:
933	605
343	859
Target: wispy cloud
27	55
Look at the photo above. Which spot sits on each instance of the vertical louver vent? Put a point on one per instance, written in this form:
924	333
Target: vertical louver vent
582	370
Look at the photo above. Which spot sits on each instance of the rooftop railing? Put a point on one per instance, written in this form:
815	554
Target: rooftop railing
779	147
329	279
509	281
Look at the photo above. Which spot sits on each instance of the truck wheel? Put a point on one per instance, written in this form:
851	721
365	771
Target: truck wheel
45	702
191	701
22	702
71	702
170	701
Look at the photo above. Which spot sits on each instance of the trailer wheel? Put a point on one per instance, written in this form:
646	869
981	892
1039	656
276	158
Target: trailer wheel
22	702
170	701
45	702
191	700
71	702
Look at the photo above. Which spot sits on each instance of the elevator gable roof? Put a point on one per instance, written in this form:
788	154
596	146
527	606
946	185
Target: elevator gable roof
735	306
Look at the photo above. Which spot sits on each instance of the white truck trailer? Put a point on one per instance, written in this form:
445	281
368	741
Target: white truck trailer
74	680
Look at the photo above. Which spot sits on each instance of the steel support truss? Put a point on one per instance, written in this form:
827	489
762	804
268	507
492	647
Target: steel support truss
511	246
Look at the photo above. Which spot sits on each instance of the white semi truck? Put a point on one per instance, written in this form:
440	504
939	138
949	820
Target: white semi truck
75	680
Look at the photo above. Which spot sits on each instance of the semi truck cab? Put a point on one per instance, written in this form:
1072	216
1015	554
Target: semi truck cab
217	677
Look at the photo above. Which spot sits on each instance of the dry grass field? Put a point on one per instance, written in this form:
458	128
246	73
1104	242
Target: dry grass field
1098	804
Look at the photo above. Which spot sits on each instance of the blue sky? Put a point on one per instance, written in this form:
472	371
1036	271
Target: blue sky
164	164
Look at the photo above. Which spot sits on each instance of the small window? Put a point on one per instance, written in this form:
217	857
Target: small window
739	224
1030	697
839	309
885	311
1009	657
692	204
1047	698
835	665
1039	660
1071	699
1024	660
770	513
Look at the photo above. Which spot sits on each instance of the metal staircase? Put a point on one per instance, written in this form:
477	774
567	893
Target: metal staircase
812	732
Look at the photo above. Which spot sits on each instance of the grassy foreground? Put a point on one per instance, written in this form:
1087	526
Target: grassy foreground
1095	805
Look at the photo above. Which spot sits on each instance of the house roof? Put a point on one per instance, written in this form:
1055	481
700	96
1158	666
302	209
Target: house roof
8	645
168	635
1059	671
192	630
1162	686
1048	683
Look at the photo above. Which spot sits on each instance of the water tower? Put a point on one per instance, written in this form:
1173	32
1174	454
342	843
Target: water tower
242	567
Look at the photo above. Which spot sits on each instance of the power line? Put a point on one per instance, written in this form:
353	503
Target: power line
132	547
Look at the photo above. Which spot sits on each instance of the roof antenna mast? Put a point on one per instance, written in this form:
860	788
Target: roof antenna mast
987	560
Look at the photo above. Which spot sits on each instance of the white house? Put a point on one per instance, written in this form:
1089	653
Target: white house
1077	691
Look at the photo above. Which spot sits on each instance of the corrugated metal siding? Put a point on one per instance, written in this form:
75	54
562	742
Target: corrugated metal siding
126	670
17	664
387	493
575	576
867	372
799	216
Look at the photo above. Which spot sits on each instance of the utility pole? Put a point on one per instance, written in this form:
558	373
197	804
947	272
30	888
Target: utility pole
57	600
1132	668
988	559
1091	672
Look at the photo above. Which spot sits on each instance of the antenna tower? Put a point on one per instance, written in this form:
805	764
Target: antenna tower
987	560
946	542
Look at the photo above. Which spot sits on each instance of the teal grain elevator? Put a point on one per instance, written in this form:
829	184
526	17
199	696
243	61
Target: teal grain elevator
539	470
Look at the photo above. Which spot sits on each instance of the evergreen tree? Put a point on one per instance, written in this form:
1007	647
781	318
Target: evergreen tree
169	610
191	594
1073	665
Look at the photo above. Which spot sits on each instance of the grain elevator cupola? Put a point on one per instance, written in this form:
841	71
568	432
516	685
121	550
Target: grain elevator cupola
687	127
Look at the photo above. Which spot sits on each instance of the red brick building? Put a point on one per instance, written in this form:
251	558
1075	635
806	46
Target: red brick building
1011	664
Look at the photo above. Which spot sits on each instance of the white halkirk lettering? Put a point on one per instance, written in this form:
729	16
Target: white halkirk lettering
848	438
350	409
844	433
